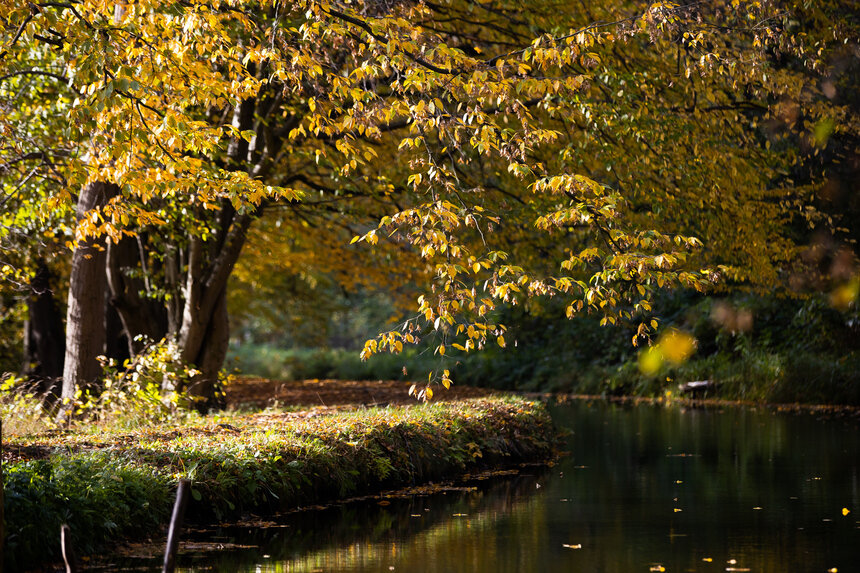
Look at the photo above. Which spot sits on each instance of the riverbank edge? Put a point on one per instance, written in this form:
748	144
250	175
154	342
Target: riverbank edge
675	401
122	487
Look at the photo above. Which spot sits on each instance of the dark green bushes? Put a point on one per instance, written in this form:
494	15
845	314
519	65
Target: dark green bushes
100	495
755	348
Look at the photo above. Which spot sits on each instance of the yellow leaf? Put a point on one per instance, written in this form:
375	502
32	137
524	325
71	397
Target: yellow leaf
677	346
650	361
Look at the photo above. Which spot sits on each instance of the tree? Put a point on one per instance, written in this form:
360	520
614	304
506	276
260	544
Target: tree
85	337
596	154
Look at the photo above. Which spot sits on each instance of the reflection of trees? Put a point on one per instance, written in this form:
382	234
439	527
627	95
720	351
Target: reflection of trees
366	536
499	529
727	463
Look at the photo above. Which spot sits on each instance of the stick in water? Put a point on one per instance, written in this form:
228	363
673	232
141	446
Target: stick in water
68	552
175	526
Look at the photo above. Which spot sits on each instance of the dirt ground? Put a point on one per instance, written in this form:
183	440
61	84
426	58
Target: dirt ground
249	392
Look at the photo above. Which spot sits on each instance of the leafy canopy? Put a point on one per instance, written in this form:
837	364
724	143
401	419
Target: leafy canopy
595	153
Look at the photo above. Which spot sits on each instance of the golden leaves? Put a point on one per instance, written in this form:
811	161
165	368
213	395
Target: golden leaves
674	347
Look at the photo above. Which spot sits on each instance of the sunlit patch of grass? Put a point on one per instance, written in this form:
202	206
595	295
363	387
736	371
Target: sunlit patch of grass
21	409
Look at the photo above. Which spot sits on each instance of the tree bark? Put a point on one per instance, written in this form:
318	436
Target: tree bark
139	314
204	334
44	335
85	326
117	344
211	357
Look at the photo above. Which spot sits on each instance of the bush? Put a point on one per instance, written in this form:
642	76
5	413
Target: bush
101	496
133	395
21	407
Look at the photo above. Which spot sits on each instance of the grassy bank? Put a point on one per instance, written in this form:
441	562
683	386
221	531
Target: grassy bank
112	484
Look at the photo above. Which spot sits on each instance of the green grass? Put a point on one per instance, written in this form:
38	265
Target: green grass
108	484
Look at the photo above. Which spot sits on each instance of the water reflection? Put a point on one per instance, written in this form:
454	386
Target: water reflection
643	488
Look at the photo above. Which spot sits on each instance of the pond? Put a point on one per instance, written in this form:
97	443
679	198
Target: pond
644	488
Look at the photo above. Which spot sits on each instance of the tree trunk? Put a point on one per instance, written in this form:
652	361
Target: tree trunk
174	302
85	326
139	314
210	358
117	344
44	335
204	333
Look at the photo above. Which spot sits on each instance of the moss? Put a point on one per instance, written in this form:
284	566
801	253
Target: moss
109	484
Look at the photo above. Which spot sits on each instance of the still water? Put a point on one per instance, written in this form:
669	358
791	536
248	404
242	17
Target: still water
643	488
